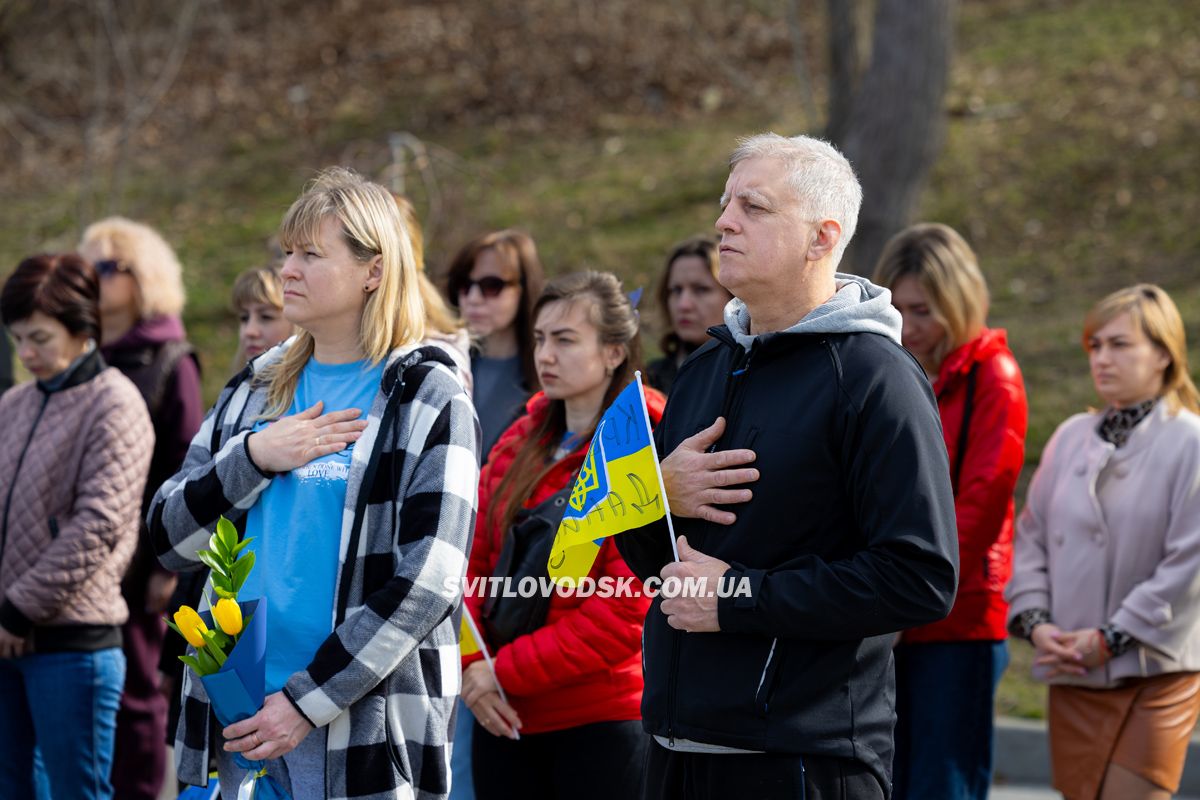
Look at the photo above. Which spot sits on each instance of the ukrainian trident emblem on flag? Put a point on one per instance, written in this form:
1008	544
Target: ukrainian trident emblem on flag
618	487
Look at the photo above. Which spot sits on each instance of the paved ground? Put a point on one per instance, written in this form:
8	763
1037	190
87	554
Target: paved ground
1021	793
1032	793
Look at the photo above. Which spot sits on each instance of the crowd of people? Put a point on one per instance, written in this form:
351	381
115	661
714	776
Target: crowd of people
848	449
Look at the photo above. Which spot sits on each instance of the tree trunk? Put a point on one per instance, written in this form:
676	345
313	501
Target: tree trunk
894	128
844	62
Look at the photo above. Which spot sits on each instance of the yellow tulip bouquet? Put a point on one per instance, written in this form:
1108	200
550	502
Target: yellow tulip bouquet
230	563
230	647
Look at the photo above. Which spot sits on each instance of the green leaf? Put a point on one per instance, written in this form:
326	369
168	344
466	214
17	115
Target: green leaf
220	582
194	664
228	534
216	653
212	562
242	544
241	570
208	664
173	626
218	548
226	594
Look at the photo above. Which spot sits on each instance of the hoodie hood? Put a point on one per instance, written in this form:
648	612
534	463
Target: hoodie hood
152	331
858	306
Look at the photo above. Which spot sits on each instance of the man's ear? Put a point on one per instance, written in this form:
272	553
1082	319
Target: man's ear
828	234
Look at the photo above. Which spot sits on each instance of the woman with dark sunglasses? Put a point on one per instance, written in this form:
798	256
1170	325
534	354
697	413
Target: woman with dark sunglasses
493	282
142	335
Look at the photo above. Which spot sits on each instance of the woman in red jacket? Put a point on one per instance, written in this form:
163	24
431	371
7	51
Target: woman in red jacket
574	684
946	673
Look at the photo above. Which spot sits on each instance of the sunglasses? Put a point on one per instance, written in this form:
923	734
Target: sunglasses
109	266
489	287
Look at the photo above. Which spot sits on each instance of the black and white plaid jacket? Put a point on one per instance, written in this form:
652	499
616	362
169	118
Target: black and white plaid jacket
386	680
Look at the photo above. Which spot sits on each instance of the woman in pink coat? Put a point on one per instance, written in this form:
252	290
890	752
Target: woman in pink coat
75	446
1107	553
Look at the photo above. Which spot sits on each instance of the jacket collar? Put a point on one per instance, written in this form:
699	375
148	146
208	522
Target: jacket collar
397	361
81	370
959	361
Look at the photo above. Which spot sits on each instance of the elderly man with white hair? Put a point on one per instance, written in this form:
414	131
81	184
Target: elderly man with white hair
810	490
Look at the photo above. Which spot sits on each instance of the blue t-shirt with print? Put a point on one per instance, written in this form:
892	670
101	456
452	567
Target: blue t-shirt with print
297	527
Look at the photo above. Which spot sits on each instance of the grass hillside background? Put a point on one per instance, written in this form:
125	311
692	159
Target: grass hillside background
1071	160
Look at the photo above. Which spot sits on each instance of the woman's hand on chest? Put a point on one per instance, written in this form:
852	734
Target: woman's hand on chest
293	441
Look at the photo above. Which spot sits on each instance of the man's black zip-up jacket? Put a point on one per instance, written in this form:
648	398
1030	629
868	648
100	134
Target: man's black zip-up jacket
849	538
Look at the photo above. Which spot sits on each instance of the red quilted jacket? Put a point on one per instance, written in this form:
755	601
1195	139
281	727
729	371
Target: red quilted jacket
584	665
983	491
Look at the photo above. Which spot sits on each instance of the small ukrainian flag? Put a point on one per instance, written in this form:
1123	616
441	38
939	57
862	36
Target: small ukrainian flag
619	486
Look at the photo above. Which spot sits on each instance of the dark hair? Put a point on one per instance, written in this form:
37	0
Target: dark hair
62	285
518	252
704	248
610	311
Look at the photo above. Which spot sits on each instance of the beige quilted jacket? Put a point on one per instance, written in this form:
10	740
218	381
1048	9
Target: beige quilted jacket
70	497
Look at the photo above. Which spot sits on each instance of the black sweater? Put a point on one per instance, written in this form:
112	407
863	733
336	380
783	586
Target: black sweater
850	537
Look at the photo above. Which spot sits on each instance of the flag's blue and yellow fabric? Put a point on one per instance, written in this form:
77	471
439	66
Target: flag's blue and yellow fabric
467	644
618	487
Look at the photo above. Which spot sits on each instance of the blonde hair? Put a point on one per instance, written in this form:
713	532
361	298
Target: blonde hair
148	257
393	315
438	314
258	285
1153	311
947	270
821	177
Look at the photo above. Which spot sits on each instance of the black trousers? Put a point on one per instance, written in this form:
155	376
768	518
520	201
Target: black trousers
603	760
671	775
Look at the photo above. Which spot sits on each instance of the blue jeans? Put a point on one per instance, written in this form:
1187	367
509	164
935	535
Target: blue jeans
462	784
945	694
65	705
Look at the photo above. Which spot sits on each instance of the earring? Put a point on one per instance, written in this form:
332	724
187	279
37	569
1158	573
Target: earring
366	290
608	371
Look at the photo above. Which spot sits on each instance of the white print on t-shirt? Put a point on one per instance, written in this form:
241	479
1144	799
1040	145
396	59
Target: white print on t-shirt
324	471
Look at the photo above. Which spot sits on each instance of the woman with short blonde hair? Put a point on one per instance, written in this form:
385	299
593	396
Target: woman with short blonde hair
257	299
947	672
348	453
146	255
142	335
1107	553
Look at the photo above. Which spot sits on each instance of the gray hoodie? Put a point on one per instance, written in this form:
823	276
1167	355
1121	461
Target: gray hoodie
858	306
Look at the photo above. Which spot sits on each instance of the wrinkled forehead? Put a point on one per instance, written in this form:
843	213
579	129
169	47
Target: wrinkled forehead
762	178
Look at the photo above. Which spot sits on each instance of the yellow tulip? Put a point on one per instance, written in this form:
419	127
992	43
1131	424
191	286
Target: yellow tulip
228	615
191	626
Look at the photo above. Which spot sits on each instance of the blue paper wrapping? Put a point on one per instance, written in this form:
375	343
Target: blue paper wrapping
238	689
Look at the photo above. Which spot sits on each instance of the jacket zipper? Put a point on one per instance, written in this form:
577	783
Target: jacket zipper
17	471
763	677
736	377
